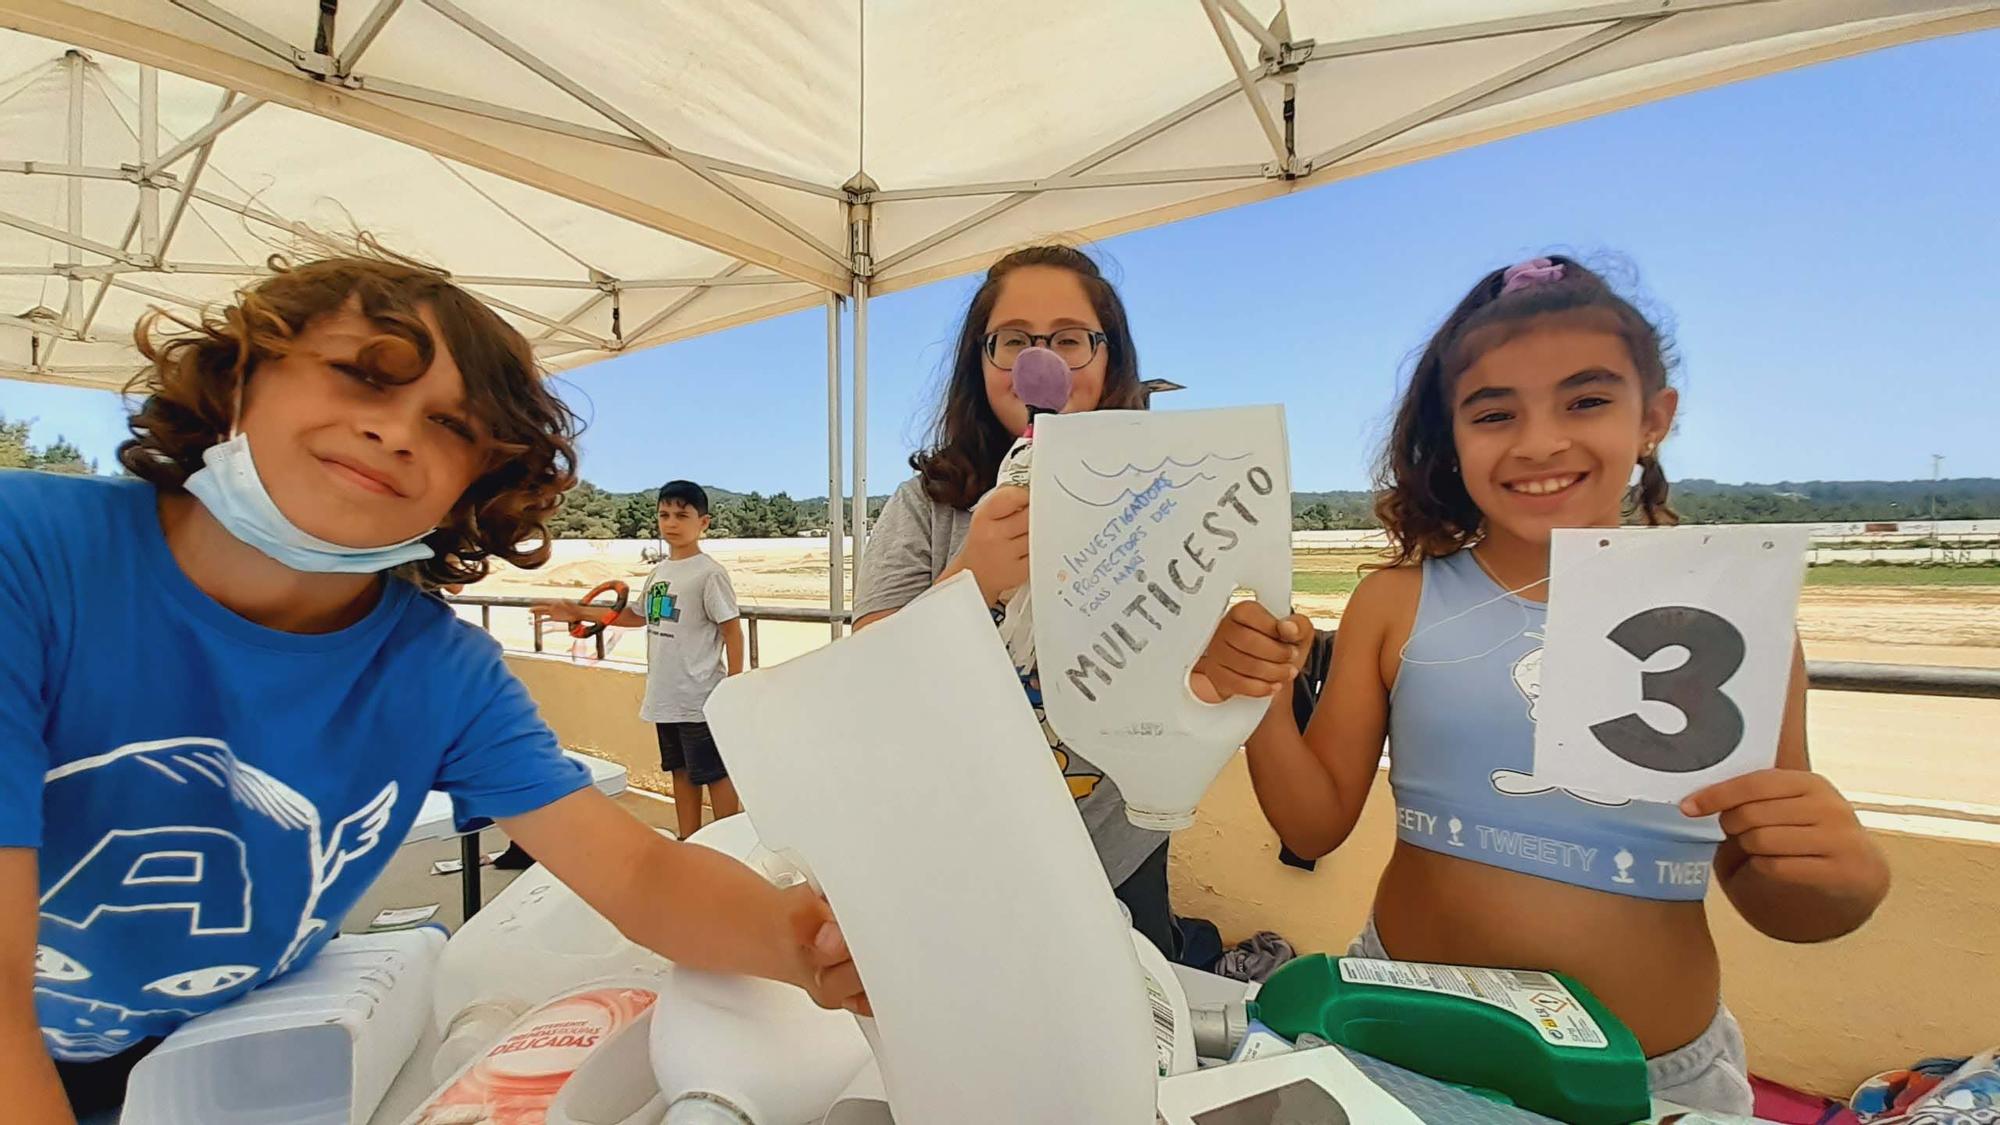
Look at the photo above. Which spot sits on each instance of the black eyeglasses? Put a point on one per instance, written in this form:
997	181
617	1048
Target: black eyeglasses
1076	346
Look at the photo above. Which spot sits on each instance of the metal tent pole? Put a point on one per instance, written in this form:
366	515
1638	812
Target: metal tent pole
860	520
836	592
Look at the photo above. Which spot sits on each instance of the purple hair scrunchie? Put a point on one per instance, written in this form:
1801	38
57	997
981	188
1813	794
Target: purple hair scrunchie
1528	274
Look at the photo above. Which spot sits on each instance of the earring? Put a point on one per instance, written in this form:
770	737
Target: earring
1650	446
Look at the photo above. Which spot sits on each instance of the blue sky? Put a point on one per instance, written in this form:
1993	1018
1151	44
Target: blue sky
1824	244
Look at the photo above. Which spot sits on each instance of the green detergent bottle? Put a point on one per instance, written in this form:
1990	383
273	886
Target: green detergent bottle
1539	1038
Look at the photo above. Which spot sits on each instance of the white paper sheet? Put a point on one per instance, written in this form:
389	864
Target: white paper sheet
904	769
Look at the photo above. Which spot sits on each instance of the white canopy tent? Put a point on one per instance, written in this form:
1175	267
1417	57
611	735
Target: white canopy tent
615	174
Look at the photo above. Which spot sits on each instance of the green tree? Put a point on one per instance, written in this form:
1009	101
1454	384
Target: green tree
587	512
638	516
783	515
14	451
62	456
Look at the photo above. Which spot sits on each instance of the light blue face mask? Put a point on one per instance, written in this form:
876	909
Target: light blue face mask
227	485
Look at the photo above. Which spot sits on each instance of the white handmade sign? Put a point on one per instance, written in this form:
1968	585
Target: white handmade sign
1142	526
1668	657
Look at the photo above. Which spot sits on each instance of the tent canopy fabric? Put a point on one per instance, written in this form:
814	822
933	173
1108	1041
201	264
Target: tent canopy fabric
613	175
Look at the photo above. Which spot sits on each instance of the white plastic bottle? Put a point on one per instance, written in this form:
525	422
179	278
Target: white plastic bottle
1144	525
743	1051
533	942
476	1027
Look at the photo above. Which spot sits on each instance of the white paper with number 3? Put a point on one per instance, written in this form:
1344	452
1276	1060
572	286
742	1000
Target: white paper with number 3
1668	657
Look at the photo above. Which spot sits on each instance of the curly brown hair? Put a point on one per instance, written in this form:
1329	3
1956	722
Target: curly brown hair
198	367
1420	498
968	440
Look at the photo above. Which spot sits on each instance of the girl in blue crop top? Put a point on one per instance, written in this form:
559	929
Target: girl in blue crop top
1530	410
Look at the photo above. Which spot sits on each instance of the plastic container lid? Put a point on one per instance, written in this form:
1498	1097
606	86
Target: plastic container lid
318	1047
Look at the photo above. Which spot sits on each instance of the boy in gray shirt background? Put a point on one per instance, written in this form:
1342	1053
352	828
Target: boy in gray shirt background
694	637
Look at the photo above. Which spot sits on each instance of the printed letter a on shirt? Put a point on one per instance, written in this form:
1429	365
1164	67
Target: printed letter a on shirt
201	871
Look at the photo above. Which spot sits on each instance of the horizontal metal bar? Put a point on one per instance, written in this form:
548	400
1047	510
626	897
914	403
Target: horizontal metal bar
1904	679
1587	16
818	615
44	168
209	269
1823	675
526	282
621	283
90	273
1072	183
705	282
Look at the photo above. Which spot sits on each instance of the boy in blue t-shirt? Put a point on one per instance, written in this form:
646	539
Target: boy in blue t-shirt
220	711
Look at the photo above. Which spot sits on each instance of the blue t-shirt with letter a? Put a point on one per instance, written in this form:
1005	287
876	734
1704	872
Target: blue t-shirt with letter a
209	797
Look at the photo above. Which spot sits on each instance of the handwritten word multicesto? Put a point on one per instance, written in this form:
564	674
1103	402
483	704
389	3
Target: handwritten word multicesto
1114	558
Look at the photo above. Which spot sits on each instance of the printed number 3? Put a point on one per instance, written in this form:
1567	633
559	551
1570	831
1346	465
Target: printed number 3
1714	725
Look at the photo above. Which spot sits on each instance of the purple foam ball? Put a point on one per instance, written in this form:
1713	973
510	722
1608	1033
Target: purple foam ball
1041	379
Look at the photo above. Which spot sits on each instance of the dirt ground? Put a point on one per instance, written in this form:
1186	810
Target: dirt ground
1892	746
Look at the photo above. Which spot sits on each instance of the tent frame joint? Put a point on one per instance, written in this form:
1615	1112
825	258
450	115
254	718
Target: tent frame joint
1292	55
323	67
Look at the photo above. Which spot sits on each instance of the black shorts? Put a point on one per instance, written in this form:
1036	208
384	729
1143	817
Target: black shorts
689	746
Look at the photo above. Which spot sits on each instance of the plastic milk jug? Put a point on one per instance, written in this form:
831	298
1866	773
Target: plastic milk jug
535	940
742	1051
1143	525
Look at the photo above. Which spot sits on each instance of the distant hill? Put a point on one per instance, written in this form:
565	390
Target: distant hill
1708	501
592	513
1837	501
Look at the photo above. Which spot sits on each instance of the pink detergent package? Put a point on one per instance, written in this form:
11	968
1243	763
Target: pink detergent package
514	1081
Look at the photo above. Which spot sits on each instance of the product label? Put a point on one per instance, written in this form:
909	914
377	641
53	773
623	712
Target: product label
1262	1045
1163	1024
1537	997
514	1082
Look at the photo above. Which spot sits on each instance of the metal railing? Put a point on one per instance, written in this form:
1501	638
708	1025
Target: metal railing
752	614
1822	675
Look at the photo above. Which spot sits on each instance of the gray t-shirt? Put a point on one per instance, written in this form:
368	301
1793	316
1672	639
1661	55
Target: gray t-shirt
685	603
910	545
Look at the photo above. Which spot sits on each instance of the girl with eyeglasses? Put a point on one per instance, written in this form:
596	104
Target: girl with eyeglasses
950	518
